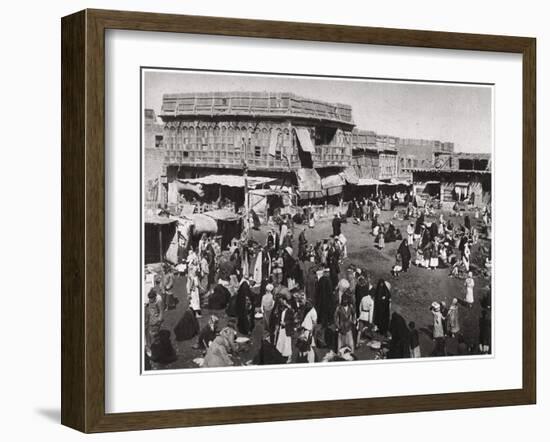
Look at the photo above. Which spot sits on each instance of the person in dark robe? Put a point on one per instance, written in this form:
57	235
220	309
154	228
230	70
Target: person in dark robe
485	332
236	259
434	230
405	254
389	234
374	221
467	223
255	220
187	327
462	244
243	308
419	224
207	334
485	300
219	298
336	225
325	301
302	245
211	258
333	262
382	300
400	338
349	212
266	262
162	351
268	353
426	238
310	279
289	265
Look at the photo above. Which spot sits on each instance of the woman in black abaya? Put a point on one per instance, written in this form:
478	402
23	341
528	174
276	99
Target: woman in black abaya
405	254
382	300
419	223
400	338
244	307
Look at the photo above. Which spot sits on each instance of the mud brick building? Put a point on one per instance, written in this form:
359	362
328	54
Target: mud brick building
274	134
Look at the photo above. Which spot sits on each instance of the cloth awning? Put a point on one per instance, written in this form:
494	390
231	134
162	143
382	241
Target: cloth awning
432	182
223	215
462	184
400	182
305	139
228	180
155	219
368	182
308	180
350	175
333	181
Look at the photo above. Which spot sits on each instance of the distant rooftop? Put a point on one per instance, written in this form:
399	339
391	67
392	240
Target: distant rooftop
253	104
370	140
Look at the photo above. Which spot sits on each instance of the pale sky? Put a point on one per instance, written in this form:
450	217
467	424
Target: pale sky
447	112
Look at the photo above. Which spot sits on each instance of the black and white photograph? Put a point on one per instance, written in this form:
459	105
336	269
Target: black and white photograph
294	219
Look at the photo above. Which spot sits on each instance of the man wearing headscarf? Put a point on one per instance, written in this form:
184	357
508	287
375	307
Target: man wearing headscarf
344	319
382	300
362	289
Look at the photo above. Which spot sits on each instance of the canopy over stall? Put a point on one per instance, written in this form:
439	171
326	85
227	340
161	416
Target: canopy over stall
350	175
369	182
228	180
333	184
159	233
229	224
309	184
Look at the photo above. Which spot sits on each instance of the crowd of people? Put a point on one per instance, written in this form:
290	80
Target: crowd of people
303	298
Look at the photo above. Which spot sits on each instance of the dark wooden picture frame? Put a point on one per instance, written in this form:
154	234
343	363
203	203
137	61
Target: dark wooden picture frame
83	220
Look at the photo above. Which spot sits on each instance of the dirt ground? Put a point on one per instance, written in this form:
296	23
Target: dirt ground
412	292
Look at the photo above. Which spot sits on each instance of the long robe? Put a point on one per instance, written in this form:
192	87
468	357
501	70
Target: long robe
467	223
382	299
419	222
219	298
310	280
434	230
405	254
258	274
389	235
325	301
333	265
400	338
302	245
336	226
243	307
187	327
268	355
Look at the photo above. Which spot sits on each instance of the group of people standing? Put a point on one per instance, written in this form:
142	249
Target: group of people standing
302	300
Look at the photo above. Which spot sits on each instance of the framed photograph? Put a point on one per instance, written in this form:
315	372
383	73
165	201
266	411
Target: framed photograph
266	221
